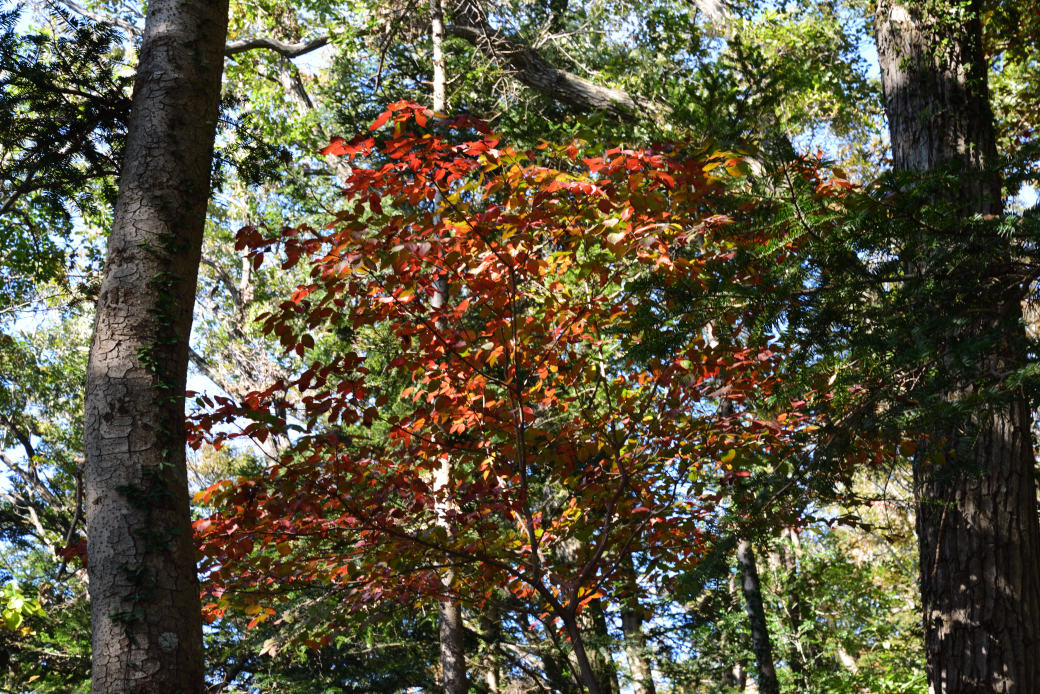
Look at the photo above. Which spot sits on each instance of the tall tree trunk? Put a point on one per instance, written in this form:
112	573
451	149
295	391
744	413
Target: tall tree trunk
144	590
635	641
760	641
440	83
799	654
593	622
453	654
635	649
978	533
554	657
452	629
491	628
735	675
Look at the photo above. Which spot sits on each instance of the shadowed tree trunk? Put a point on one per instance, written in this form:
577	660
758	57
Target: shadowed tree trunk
978	532
734	675
760	641
799	654
453	655
593	625
635	649
491	628
635	641
144	591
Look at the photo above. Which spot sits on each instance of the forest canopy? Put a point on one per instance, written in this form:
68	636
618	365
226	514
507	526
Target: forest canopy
519	346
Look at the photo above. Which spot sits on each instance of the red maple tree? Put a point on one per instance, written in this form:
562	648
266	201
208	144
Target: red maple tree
504	437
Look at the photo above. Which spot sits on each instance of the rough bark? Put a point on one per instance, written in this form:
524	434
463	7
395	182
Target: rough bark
978	533
977	536
144	591
934	76
761	644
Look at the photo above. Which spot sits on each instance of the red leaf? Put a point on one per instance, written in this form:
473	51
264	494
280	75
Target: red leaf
335	148
381	121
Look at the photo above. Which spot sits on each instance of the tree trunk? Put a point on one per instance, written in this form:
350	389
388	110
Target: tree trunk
799	654
635	649
635	642
978	533
144	590
453	654
590	678
736	674
760	642
593	622
554	657
451	628
556	677
491	628
440	85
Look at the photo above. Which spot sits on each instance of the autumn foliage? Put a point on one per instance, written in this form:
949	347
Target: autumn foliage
511	438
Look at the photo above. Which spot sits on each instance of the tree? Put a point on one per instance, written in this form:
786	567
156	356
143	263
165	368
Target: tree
890	272
146	619
977	518
58	87
761	643
566	456
41	405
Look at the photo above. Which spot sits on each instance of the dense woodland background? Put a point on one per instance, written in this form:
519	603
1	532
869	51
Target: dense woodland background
865	325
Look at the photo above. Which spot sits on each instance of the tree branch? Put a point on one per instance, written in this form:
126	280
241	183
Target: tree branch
287	50
204	367
534	71
22	437
225	279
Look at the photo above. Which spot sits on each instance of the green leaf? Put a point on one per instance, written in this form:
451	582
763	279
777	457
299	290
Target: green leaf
12	619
